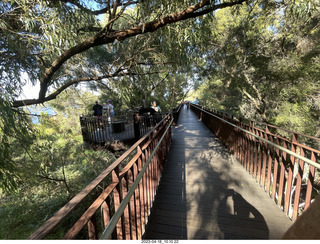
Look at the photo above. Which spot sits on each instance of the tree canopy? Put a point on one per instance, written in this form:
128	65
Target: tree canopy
54	41
263	64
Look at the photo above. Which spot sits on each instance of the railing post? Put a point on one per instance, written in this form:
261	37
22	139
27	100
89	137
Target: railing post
116	201
106	211
132	206
290	175
269	161
275	170
92	228
175	114
126	218
298	186
310	181
282	174
136	125
137	198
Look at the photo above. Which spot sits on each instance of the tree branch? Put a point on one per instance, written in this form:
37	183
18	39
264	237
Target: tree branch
106	36
27	102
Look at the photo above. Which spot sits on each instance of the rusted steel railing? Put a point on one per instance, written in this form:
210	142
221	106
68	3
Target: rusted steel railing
284	168
143	170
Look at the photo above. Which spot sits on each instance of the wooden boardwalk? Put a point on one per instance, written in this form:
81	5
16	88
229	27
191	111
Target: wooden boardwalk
205	193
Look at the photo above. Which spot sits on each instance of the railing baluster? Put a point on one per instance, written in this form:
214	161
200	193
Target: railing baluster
144	193
92	228
132	206
256	156
270	159
282	175
275	170
137	203
126	218
310	181
116	199
106	211
147	187
251	155
290	176
246	161
264	160
260	158
298	186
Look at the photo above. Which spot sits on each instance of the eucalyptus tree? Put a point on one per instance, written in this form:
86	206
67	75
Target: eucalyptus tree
263	63
56	37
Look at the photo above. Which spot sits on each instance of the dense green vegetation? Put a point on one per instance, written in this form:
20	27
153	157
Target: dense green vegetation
257	59
263	64
49	168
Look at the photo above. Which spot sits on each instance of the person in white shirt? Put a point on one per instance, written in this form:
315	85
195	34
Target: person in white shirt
155	107
110	110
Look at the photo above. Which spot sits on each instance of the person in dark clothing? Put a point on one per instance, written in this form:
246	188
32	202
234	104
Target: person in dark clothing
97	111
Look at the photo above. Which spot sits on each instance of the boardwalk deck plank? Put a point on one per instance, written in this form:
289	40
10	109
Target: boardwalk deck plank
205	193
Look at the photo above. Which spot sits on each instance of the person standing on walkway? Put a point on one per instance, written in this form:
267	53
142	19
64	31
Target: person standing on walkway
157	116
110	110
155	107
97	111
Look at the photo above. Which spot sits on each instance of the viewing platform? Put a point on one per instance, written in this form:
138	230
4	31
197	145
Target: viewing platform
129	126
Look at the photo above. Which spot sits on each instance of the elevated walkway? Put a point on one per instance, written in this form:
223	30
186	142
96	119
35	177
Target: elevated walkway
205	193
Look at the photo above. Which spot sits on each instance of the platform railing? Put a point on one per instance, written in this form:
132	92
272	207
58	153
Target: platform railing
284	168
132	126
176	114
141	167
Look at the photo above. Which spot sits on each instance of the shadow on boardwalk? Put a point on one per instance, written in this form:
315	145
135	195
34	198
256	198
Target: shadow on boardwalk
240	213
216	208
205	193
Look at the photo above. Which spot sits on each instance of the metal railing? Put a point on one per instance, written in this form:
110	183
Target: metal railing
127	199
176	113
284	168
133	126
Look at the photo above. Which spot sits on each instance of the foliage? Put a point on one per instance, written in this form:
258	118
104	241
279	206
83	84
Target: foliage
67	44
53	168
263	64
15	139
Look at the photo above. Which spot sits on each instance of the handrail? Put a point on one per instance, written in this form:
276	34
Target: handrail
115	218
270	143
265	124
176	113
287	130
99	130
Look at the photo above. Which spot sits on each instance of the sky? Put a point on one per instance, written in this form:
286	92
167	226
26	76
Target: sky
29	91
